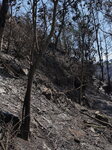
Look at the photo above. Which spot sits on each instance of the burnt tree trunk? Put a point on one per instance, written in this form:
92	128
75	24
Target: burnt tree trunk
25	127
107	64
36	55
96	25
100	56
3	14
82	67
62	23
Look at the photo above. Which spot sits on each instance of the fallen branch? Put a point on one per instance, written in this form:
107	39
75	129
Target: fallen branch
98	120
94	125
10	70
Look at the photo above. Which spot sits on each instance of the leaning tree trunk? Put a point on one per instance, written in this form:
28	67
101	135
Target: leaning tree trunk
25	127
3	13
36	55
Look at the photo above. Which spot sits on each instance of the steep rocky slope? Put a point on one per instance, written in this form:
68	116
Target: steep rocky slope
57	122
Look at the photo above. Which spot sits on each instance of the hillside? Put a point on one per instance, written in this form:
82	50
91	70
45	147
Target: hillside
54	90
57	121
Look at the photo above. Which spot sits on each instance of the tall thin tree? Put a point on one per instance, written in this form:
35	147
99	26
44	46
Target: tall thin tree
36	55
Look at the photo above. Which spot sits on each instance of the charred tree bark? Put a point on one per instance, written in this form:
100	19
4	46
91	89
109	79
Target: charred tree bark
82	67
62	23
10	29
3	14
107	65
36	55
100	57
25	127
34	59
96	26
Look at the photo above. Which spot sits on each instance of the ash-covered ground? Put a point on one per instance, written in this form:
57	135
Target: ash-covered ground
57	122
